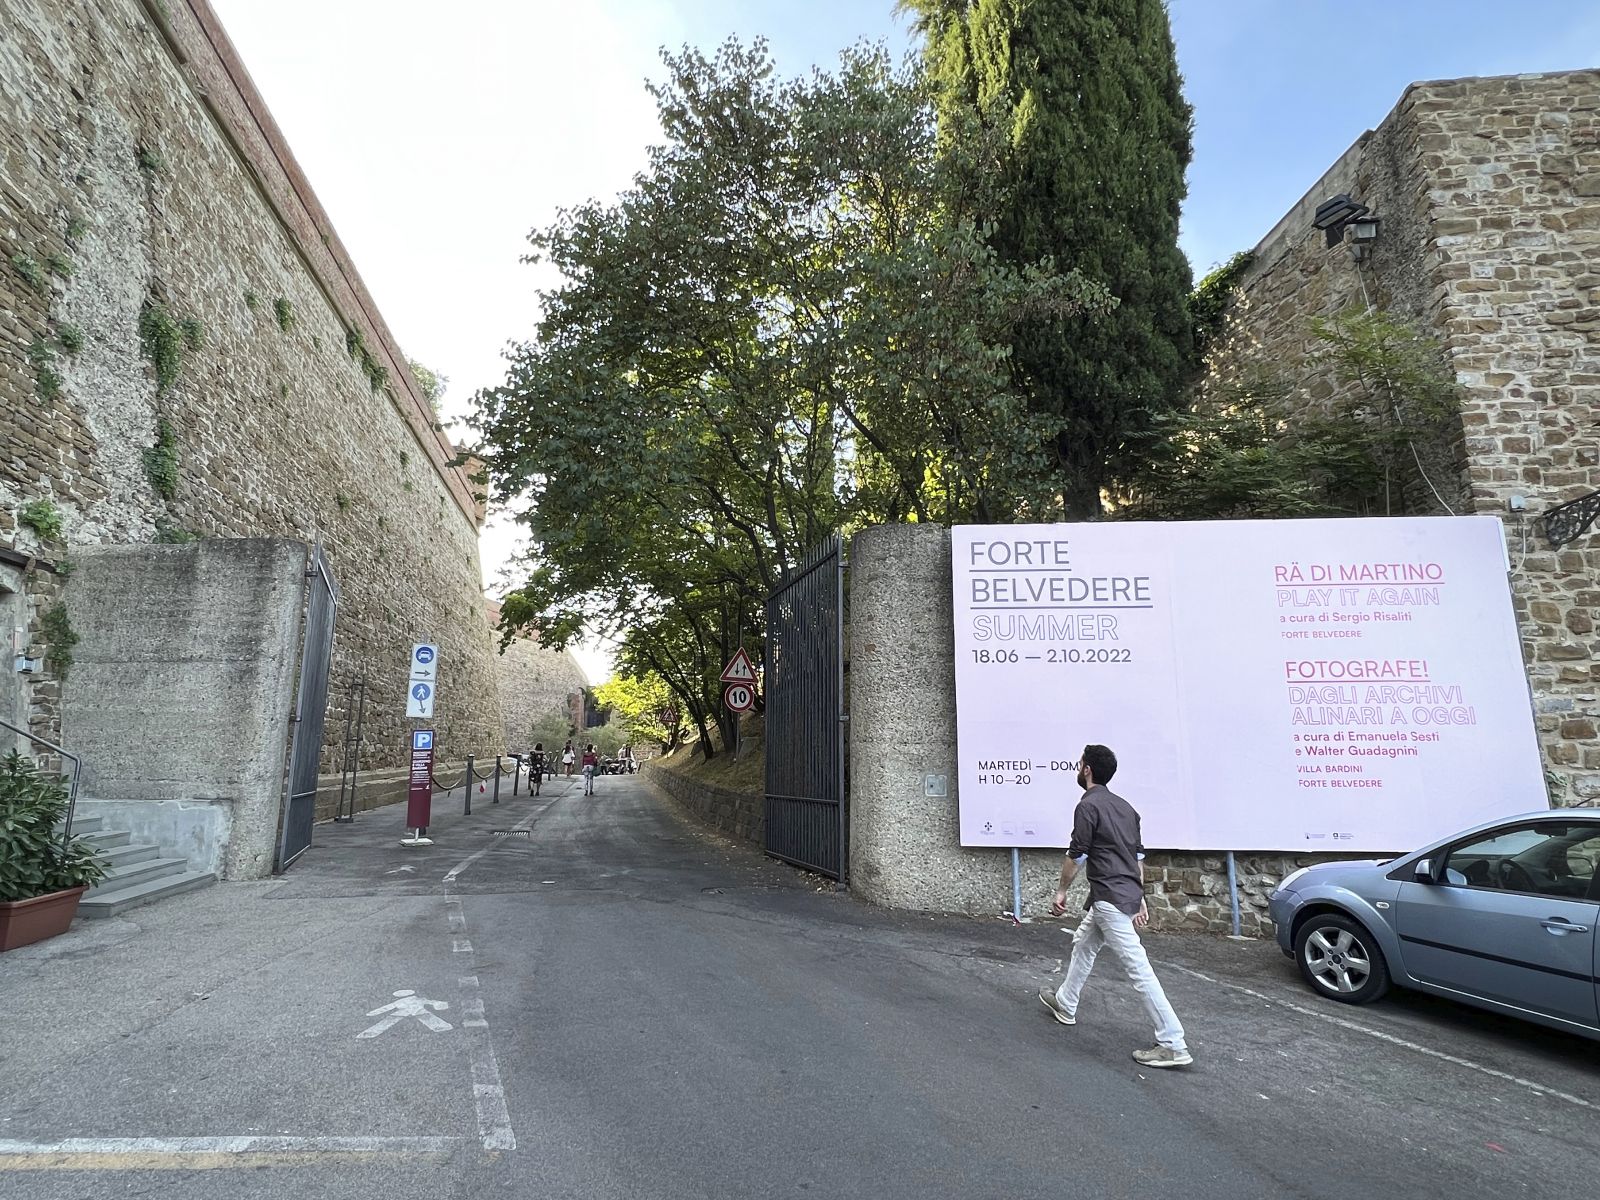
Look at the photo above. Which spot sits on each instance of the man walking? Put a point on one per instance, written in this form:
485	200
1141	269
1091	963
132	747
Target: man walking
1106	839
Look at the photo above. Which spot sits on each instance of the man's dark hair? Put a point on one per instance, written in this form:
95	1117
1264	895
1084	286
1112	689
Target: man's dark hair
1101	761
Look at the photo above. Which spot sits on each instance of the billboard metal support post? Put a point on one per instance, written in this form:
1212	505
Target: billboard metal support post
1016	885
1233	896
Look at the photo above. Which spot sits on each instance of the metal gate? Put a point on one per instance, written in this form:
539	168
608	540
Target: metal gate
316	653
805	798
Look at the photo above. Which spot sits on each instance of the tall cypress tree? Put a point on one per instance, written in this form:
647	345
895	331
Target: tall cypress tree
1099	140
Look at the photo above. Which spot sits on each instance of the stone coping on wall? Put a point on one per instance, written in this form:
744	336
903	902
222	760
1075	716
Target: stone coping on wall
736	814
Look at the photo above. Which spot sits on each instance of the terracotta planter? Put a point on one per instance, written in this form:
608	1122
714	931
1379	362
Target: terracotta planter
25	921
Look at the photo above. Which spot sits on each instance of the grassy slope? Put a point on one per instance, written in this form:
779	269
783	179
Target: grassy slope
745	774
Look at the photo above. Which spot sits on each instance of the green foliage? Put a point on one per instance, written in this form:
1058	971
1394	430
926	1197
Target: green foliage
60	266
405	458
194	333
377	374
552	729
76	228
251	300
1208	303
168	534
1251	446
161	461
30	271
644	708
35	860
284	311
792	321
150	161
431	382
161	341
59	637
1088	95
342	501
46	379
71	338
43	517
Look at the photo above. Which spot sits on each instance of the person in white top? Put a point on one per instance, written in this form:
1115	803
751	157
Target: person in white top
568	758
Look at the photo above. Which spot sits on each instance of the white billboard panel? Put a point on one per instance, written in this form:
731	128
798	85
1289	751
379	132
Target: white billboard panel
1266	685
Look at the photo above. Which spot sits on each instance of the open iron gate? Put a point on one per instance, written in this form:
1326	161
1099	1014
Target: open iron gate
806	818
316	655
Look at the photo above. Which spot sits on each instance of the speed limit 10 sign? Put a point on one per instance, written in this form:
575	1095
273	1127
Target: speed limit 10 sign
740	697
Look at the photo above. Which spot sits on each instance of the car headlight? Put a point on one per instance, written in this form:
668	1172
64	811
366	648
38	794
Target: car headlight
1288	881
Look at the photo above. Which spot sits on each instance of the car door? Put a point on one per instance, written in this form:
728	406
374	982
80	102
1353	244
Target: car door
1512	921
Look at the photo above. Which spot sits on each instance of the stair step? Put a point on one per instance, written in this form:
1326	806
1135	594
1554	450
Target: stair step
99	903
124	856
108	838
82	824
154	868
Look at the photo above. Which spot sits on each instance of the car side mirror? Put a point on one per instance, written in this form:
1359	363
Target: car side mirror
1424	871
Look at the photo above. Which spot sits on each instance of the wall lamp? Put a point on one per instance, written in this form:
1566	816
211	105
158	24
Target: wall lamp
1334	215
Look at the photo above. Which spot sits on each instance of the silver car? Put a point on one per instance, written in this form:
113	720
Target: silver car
1502	916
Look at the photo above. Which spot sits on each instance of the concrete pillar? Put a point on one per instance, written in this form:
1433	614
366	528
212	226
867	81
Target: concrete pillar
905	847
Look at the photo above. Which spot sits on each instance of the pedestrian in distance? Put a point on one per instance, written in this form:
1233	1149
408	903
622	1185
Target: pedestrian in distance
591	768
1106	841
536	766
568	758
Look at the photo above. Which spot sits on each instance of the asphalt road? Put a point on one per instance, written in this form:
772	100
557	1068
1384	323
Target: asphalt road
635	1011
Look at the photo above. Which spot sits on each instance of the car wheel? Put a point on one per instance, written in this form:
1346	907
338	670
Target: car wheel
1340	959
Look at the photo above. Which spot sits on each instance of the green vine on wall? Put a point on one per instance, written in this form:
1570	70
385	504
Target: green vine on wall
1208	303
163	340
43	517
31	272
161	461
70	338
46	379
284	311
60	637
377	374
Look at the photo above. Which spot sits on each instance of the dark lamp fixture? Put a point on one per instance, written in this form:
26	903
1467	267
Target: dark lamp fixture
1333	215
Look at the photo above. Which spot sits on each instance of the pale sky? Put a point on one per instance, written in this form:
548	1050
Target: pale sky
438	135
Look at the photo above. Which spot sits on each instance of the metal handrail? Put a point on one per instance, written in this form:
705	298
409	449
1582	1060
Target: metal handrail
77	768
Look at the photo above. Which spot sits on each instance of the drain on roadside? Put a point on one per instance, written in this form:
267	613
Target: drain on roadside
511	833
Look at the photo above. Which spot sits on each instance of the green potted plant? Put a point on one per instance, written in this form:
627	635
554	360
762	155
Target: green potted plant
42	873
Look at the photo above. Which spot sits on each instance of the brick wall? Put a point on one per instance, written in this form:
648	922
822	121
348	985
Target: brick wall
1489	196
139	170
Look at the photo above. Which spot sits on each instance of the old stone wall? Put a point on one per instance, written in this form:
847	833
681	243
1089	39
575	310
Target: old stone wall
737	814
187	351
534	683
1489	195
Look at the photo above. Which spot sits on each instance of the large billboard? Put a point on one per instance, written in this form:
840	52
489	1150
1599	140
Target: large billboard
1305	685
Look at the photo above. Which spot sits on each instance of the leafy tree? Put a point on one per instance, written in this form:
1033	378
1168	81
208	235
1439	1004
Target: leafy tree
552	729
1254	446
645	708
430	381
792	322
1090	98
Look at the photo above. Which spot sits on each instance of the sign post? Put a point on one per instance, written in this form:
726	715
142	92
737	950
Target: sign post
740	695
419	794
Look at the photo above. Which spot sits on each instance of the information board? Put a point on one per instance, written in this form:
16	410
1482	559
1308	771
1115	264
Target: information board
1266	685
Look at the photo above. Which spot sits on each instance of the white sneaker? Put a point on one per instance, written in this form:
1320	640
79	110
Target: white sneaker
1048	999
1161	1056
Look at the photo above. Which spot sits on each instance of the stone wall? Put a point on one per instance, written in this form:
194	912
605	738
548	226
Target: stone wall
534	683
186	350
1489	195
737	814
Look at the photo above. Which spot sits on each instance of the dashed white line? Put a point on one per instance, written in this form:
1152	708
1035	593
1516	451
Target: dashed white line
488	1092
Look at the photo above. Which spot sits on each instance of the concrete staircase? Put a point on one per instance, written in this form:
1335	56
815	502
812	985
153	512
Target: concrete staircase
135	875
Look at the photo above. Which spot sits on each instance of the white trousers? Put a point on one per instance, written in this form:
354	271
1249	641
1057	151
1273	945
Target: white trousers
1107	925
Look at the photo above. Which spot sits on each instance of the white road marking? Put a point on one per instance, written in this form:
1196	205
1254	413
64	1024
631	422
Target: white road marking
488	1092
227	1145
1392	1039
407	1004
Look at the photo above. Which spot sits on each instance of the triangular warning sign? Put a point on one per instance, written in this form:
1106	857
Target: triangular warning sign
739	669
